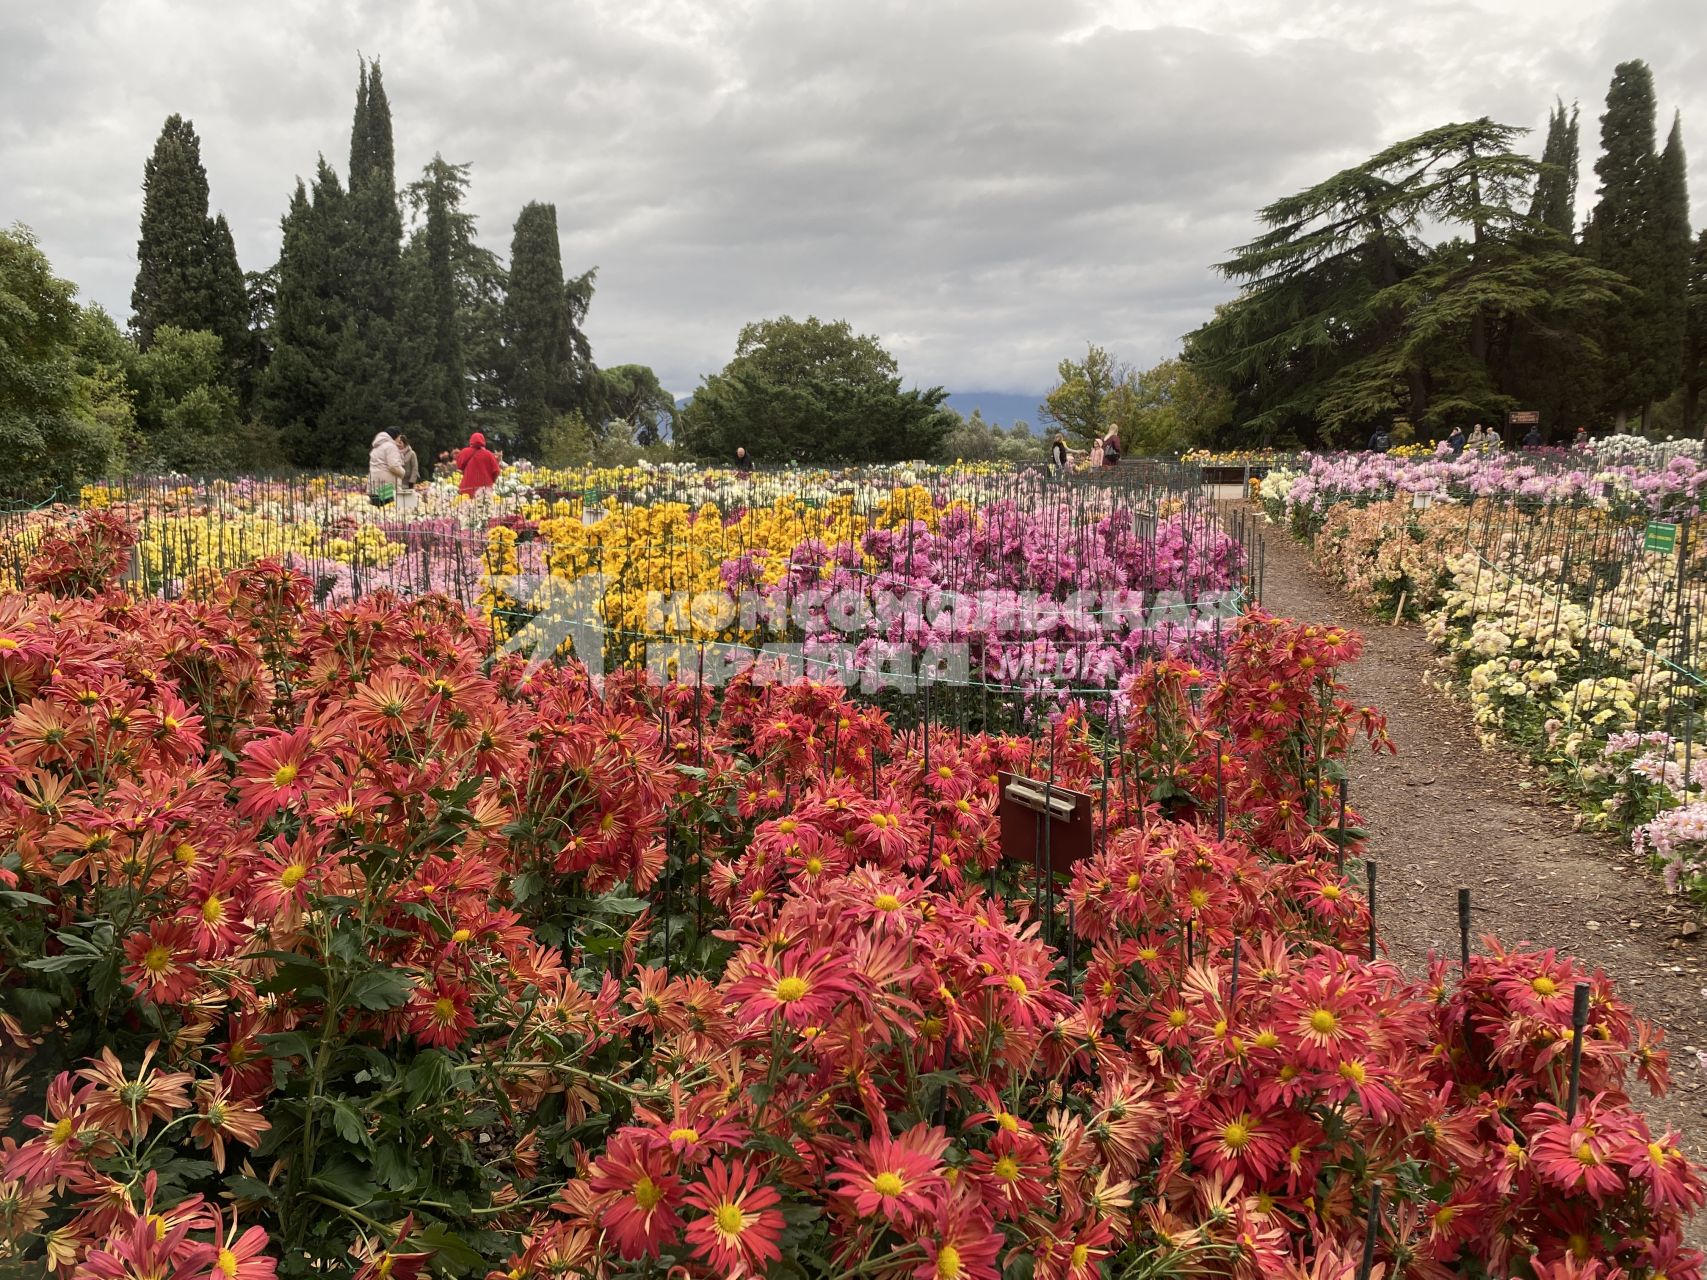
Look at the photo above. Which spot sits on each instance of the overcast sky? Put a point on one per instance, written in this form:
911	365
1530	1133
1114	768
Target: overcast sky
985	184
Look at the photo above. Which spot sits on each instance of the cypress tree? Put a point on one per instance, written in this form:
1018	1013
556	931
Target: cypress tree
171	267
538	334
433	391
1672	244
1555	203
1626	240
1695	337
187	273
370	271
310	316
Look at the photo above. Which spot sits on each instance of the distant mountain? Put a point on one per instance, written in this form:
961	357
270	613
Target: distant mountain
1004	408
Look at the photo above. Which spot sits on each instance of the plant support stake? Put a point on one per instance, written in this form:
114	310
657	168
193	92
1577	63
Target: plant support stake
1339	855
1368	1263
1369	869
1463	932
1579	1020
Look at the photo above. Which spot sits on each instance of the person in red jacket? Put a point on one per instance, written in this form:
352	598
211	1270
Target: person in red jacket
478	464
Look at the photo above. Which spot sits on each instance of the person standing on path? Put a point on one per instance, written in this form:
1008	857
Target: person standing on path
384	470
1058	457
1111	448
411	464
479	467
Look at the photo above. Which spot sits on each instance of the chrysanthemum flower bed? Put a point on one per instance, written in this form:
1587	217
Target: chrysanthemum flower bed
331	947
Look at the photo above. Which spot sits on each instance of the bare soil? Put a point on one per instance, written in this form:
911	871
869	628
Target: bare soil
1446	813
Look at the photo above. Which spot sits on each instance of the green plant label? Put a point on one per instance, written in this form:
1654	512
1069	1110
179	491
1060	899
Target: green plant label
1661	537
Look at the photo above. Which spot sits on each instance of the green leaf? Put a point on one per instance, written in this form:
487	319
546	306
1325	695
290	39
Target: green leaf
348	1123
450	1251
288	1044
621	906
380	989
18	898
345	1181
245	1188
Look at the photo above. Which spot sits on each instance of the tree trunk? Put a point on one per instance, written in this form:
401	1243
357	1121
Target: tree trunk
1620	420
1419	398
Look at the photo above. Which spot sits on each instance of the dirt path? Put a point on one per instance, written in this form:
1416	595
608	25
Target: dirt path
1444	813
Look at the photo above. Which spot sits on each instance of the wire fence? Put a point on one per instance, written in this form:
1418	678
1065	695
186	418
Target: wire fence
1123	563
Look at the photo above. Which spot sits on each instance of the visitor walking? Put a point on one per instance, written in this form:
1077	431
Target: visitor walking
1379	440
1097	451
1455	443
1581	442
1532	438
384	470
1478	442
743	463
1111	448
479	467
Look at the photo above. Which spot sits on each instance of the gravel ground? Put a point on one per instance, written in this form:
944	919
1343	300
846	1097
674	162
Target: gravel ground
1446	813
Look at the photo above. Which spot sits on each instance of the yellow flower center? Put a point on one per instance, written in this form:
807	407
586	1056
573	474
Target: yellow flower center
1331	892
684	1134
1199	899
1006	1168
1353	1071
157	959
814	865
461	936
730	1219
226	1263
1236	1135
886	902
1016	984
1081	1255
1585	1155
1007	1120
185	854
1544	986
1323	1022
1266	1039
444	1010
1176	1018
788	990
1444	1215
292	875
948	1263
213	910
647	1193
1656	1153
1132	882
284	775
61	1132
888	1184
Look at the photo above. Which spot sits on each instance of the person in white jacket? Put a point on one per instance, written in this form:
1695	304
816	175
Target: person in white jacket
384	470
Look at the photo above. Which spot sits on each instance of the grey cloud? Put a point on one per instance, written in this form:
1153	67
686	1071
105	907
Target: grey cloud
987	185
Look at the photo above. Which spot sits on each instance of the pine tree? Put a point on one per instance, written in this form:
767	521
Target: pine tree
538	333
432	386
1626	240
187	274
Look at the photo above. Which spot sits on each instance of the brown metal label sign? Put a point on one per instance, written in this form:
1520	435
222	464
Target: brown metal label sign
1071	830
